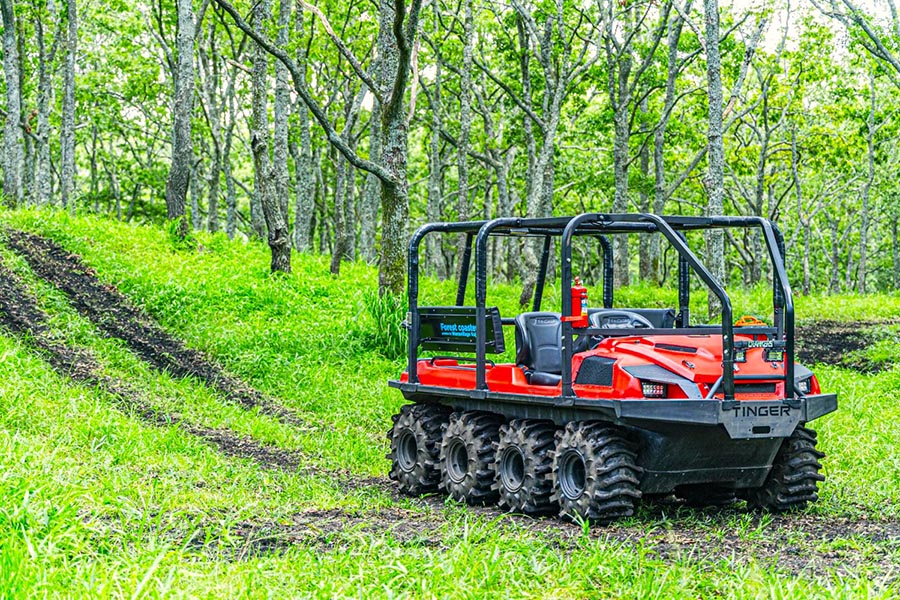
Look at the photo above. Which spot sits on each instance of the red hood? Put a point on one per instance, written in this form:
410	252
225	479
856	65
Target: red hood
694	357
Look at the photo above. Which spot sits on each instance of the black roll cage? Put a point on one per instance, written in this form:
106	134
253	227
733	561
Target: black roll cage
672	228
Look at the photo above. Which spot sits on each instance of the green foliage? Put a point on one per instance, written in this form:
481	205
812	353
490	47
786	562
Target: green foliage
97	504
387	313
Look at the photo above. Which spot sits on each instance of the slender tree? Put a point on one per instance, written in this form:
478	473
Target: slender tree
12	133
182	109
715	178
398	29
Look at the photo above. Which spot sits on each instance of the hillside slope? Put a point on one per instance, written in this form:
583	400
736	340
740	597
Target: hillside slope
175	421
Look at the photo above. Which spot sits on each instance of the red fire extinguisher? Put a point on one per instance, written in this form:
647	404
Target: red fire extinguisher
579	316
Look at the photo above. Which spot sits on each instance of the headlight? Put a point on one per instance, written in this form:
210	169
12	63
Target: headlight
804	386
652	389
774	355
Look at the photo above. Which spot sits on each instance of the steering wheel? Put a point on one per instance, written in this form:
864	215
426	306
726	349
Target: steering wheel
620	319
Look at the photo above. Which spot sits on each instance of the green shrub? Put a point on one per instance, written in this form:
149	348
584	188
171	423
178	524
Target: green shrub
387	334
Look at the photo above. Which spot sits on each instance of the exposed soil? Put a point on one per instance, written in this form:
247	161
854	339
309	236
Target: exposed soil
20	314
836	342
795	544
116	317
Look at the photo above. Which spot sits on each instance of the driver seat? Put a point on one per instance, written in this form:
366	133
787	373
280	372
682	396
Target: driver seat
539	347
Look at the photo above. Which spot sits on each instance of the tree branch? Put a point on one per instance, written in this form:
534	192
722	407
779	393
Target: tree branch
334	138
344	50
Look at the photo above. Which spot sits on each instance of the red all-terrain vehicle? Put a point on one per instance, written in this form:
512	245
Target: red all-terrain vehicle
604	406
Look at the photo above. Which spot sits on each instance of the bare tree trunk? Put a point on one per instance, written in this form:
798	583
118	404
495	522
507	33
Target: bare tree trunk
67	131
274	211
435	260
368	205
394	154
43	174
344	220
281	112
645	267
319	198
259	134
195	192
259	128
804	222
867	186
12	133
848	272
230	191
396	46
715	179
834	284
183	105
340	224
304	207
622	127
895	251
210	61
660	191
465	128
28	140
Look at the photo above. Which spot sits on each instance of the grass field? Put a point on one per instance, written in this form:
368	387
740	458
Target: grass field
97	500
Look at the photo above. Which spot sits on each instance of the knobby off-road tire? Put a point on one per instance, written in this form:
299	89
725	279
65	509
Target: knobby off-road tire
595	474
415	447
524	460
793	481
467	456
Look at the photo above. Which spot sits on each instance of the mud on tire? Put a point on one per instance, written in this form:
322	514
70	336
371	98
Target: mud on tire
523	463
595	475
415	447
467	456
793	481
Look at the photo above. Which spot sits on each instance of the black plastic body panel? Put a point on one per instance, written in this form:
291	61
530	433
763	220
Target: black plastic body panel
681	441
452	328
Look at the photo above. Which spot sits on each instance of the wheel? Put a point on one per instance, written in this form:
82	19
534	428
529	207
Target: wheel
705	495
523	462
415	445
595	476
467	456
793	481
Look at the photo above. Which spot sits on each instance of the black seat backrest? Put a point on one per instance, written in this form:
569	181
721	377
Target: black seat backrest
661	318
539	341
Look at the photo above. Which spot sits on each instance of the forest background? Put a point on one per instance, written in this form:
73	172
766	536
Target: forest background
336	128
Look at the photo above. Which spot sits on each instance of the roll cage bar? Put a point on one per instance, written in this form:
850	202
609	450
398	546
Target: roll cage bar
598	225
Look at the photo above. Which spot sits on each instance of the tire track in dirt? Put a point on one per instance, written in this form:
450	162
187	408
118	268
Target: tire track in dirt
795	544
833	342
111	312
20	314
338	529
792	546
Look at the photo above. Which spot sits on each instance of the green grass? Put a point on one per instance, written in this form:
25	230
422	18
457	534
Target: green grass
97	504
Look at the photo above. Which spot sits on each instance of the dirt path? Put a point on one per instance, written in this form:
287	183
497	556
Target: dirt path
805	544
116	317
794	544
833	342
20	314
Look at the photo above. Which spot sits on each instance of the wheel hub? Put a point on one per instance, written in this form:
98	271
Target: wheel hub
407	450
457	461
572	475
512	469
